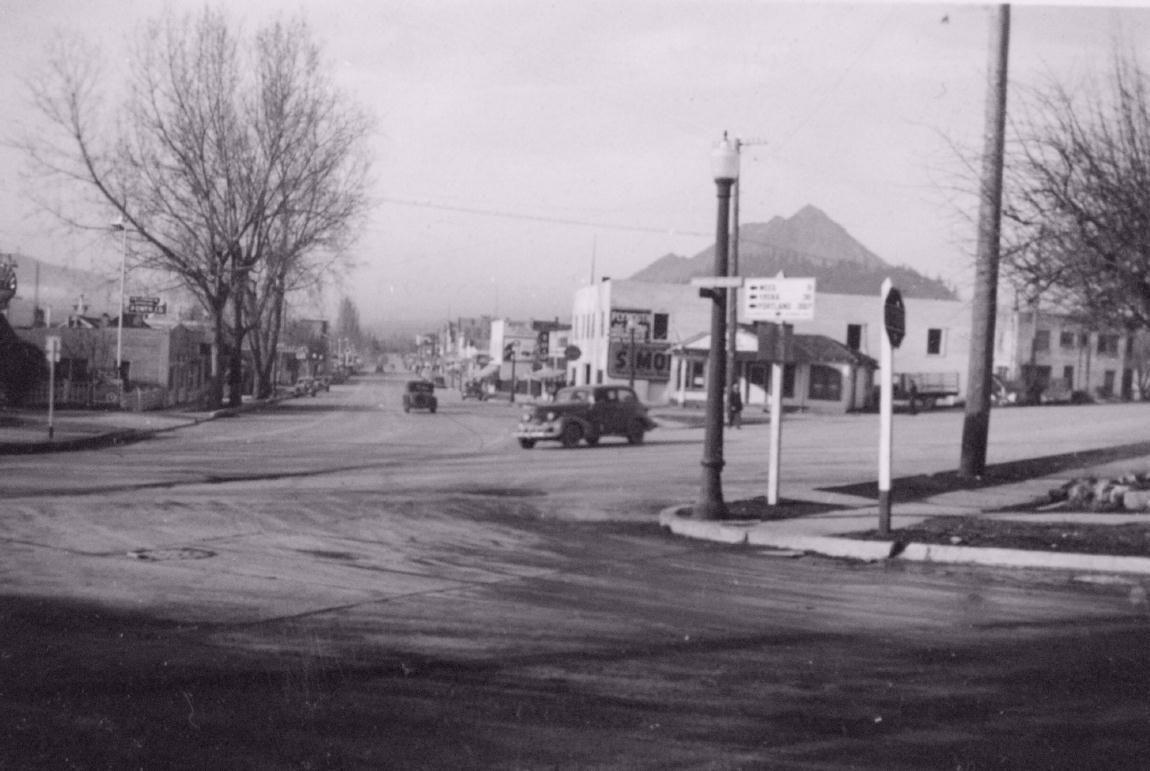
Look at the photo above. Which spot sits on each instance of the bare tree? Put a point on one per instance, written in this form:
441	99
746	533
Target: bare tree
236	165
1078	199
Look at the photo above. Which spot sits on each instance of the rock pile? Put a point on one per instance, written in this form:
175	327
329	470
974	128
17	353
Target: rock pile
1130	492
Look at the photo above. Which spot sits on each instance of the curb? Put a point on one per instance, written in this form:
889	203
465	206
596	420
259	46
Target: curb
759	533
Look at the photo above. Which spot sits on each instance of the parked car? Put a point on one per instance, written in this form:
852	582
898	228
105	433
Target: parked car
419	395
585	413
1004	392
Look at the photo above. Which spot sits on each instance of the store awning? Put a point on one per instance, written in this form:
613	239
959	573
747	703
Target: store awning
487	371
548	373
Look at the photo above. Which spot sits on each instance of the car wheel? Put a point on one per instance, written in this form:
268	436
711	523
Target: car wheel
591	440
571	435
635	433
526	444
432	408
406	408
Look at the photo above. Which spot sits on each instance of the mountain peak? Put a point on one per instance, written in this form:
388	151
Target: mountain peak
809	243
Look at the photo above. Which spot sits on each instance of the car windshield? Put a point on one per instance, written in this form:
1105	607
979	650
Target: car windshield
420	387
573	395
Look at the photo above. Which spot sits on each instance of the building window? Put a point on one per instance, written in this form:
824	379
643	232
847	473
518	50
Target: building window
788	380
1108	379
934	342
696	376
1108	345
660	327
1065	339
1042	340
854	336
826	383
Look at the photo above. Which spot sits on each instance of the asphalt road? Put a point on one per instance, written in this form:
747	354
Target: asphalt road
336	584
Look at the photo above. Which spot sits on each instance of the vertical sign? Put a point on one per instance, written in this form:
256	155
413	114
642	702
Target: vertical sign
52	352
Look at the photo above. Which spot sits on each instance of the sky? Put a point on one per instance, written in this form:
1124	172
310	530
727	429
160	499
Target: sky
524	148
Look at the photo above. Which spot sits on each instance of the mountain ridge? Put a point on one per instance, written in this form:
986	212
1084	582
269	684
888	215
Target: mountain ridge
808	244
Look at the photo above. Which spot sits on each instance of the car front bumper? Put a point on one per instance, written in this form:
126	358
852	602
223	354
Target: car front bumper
539	431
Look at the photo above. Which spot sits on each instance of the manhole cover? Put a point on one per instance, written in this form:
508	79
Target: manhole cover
164	555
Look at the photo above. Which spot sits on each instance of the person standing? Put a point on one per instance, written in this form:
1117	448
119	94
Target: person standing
735	408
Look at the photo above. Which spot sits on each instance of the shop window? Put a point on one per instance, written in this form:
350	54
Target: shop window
1065	339
696	378
826	383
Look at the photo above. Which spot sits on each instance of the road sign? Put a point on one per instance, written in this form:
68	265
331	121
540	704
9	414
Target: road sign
52	348
778	299
894	317
145	305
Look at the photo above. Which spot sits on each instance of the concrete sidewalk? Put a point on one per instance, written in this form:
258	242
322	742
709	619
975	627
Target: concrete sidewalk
26	432
828	533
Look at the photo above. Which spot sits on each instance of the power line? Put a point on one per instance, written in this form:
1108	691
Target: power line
539	218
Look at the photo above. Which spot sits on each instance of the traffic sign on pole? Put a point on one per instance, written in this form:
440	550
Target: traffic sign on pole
894	315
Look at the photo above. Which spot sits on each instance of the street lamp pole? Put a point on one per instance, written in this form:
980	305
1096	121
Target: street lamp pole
122	226
725	167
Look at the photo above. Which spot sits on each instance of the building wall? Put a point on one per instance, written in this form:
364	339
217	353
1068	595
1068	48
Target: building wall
1057	348
937	337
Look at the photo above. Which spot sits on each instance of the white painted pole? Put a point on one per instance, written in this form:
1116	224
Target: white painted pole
886	414
776	432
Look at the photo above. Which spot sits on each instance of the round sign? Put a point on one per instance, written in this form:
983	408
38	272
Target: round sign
894	317
572	352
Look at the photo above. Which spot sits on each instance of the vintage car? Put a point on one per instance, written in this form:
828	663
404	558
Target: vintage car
306	386
585	413
419	395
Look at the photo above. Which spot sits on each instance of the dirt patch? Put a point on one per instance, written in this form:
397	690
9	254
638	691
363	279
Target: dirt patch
1131	540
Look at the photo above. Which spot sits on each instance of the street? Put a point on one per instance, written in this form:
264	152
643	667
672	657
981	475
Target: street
332	583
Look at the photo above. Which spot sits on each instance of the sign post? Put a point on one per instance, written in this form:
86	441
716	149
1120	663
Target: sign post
52	353
776	301
894	324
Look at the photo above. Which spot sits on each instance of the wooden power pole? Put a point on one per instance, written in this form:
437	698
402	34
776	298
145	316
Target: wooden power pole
976	425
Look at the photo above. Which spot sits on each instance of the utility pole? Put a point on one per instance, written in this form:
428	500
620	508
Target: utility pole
976	424
733	270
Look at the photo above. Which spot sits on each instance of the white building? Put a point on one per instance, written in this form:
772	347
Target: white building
606	317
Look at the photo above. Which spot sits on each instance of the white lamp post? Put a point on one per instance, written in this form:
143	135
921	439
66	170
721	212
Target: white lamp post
122	226
725	169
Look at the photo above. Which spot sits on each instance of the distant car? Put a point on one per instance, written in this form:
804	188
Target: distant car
585	413
306	386
419	395
1004	392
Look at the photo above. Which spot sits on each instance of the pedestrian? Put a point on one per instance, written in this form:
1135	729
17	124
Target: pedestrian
912	391
735	408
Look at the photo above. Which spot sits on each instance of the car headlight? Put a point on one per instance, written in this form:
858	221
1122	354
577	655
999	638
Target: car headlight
526	417
551	415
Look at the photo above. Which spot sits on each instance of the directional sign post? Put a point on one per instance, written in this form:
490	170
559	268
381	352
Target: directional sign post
145	305
778	299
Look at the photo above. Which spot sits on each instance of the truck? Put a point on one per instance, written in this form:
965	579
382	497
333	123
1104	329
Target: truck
929	387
